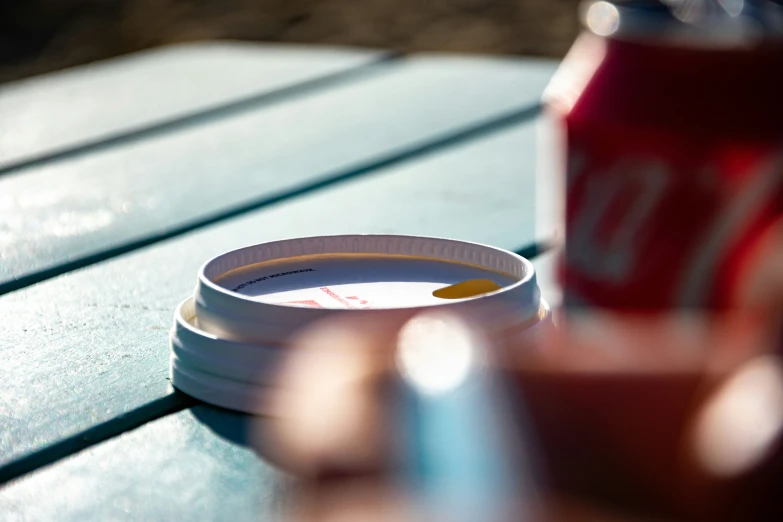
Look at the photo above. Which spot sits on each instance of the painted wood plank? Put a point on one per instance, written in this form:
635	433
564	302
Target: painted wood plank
53	112
85	206
173	469
92	344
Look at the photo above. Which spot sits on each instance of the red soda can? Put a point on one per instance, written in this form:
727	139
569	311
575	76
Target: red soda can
670	143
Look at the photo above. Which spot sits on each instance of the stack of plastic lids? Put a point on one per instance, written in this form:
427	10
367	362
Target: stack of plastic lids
229	340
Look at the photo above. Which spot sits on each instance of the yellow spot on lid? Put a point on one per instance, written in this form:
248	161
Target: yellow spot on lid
469	288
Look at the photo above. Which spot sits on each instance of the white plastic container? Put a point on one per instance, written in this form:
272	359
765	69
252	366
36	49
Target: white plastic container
229	340
225	393
225	358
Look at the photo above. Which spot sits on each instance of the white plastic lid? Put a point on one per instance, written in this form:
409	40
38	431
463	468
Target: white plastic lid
264	293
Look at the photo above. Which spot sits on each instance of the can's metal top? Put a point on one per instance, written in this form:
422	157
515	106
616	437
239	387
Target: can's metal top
701	23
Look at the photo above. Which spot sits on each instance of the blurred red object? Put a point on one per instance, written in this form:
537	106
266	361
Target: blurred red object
658	413
671	154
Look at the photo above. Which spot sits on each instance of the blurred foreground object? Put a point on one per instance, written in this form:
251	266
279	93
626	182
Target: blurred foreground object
669	123
616	418
677	415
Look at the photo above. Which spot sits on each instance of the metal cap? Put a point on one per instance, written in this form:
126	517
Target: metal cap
721	23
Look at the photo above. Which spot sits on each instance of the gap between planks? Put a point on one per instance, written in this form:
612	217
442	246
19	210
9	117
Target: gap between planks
131	420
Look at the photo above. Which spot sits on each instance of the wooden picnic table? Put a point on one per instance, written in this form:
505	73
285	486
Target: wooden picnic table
119	179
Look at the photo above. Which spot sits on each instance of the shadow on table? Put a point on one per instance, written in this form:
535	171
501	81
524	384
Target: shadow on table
236	427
